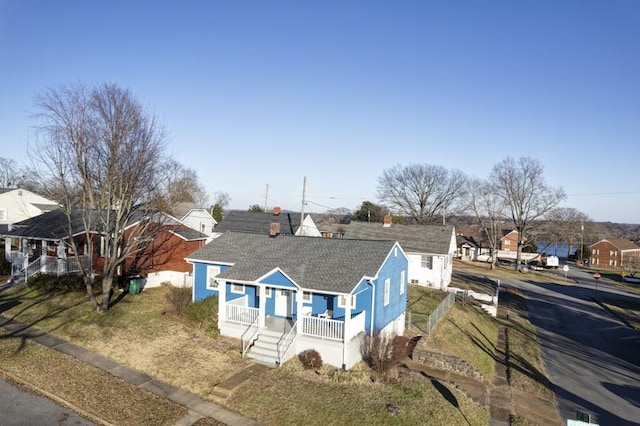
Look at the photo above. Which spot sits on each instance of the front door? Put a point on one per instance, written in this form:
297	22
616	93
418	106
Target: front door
284	303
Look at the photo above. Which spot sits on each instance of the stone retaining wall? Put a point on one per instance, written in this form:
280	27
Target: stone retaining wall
446	362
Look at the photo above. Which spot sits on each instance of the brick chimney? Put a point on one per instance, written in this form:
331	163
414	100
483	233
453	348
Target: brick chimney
274	229
386	221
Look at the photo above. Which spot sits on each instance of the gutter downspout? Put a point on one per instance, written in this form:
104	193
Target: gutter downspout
373	308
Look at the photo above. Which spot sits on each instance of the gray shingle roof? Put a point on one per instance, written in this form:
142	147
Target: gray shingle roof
258	223
189	234
431	239
51	225
179	210
333	265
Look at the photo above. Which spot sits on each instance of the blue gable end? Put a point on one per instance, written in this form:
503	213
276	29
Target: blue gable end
391	270
279	279
200	290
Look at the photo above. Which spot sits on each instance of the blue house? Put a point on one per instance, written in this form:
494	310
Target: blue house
284	295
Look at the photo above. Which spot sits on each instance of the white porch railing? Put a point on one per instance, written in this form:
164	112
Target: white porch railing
51	265
241	314
285	343
322	327
249	336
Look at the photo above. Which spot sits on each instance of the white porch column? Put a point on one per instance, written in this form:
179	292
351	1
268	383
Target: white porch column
7	249
345	332
43	255
25	256
299	303
222	301
262	312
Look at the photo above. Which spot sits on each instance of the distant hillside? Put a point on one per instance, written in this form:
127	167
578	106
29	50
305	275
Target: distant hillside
593	231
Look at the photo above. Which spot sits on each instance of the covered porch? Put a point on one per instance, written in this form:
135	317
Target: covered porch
321	325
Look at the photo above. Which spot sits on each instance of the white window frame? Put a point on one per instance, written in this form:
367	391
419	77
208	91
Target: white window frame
268	291
342	301
307	296
211	274
387	291
237	288
4	214
402	281
428	260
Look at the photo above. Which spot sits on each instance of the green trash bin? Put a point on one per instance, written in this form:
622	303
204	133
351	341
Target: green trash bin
134	285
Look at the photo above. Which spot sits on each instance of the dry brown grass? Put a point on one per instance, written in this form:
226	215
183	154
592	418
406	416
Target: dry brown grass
140	332
292	395
96	392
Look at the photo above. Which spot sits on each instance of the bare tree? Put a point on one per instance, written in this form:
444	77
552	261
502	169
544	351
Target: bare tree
222	200
423	192
566	224
522	188
178	184
489	210
11	176
102	153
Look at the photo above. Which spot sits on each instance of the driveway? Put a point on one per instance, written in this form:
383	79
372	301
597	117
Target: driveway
592	358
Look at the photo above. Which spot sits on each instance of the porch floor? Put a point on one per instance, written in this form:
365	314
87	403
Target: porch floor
278	324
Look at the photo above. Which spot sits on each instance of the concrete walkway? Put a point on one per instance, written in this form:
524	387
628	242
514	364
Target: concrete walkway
198	408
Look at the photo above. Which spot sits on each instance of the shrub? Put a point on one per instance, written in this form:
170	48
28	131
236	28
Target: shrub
49	283
310	359
381	352
205	314
179	299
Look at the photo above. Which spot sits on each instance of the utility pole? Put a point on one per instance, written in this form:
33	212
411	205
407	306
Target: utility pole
582	241
304	191
266	196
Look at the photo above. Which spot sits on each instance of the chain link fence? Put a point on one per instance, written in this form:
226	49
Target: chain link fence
425	323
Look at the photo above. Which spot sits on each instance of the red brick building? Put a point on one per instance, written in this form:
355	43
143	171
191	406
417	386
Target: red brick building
614	253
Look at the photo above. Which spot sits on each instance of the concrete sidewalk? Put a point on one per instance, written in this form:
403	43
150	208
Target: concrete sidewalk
198	408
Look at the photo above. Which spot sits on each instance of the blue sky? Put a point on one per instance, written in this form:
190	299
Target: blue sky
257	93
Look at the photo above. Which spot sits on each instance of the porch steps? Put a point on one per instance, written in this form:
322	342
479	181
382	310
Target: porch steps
265	348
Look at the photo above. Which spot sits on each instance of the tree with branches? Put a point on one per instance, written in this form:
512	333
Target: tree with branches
11	175
222	200
422	192
521	186
101	154
370	212
489	210
565	224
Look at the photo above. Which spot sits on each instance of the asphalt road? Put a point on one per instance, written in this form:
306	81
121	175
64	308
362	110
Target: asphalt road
19	407
592	358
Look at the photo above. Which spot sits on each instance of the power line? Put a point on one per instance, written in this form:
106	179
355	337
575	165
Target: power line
585	194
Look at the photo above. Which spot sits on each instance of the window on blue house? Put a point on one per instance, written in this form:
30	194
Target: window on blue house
402	282
212	273
306	296
237	288
346	299
387	291
268	292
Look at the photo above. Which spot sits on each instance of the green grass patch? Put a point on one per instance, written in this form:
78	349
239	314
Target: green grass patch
468	333
423	300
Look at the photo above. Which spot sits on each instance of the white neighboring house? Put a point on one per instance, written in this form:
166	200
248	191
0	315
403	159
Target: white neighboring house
308	228
18	204
430	248
195	217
